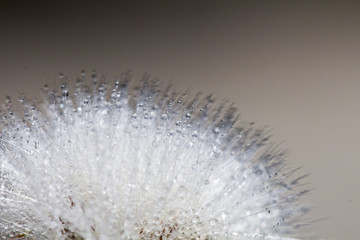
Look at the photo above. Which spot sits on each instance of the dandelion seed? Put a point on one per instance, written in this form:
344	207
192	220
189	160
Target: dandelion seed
94	163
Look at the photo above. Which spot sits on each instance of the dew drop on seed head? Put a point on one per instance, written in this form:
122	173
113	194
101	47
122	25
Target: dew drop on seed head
195	219
224	216
213	222
164	116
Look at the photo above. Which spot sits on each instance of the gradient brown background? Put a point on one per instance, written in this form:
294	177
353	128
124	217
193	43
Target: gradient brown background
291	65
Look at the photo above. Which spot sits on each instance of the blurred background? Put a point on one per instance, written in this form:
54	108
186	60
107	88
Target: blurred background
291	65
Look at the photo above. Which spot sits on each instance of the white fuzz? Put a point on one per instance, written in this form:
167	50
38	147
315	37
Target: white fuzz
139	164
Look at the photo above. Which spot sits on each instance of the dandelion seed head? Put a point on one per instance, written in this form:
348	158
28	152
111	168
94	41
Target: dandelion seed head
105	161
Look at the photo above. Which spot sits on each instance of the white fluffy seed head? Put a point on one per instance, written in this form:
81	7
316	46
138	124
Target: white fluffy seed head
139	164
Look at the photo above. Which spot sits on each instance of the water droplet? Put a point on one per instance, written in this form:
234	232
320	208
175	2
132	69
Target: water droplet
65	93
164	116
268	210
195	219
224	216
213	221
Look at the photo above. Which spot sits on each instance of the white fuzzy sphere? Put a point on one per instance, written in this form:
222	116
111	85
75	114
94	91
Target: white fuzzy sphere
142	163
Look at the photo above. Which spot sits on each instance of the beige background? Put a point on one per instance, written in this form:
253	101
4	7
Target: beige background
290	65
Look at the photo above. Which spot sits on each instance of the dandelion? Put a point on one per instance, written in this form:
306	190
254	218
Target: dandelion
139	163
